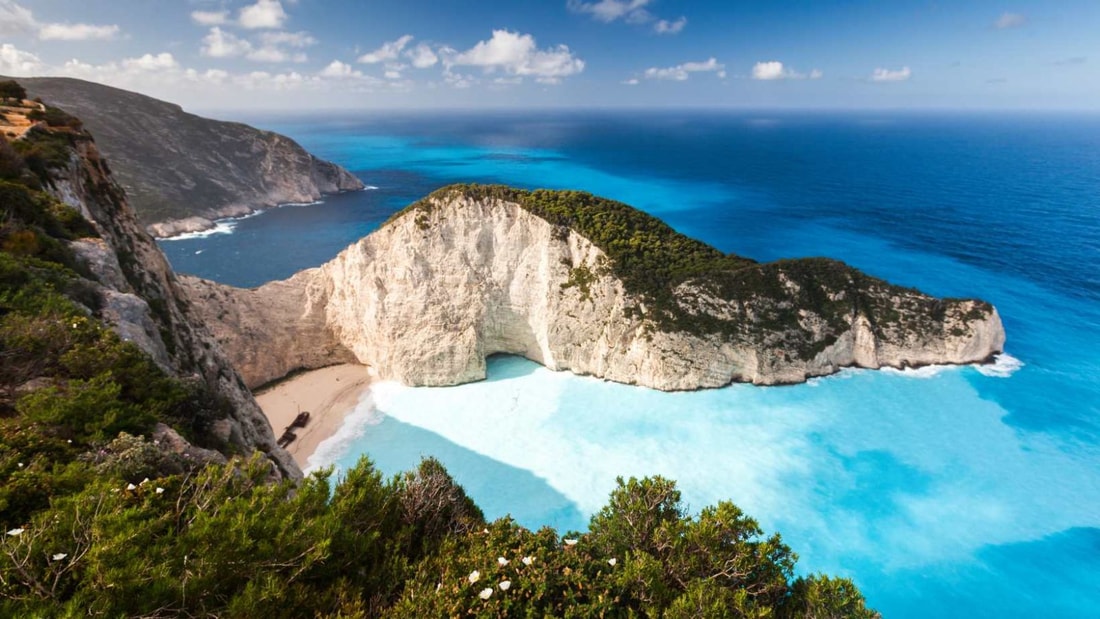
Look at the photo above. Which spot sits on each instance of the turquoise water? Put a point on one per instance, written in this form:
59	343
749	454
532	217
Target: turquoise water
943	492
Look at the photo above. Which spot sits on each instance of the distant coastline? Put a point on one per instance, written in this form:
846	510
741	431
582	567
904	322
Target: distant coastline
198	226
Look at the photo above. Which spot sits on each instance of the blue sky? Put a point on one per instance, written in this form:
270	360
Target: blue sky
286	54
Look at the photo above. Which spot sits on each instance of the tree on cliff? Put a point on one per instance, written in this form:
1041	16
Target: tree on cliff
10	90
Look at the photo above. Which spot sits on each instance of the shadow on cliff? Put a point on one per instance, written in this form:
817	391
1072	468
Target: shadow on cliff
502	366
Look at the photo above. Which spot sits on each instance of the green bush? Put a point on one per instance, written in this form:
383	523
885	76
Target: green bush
12	90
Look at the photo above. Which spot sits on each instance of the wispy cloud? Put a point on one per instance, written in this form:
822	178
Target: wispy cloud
1009	20
610	10
389	50
16	20
210	18
888	75
682	72
268	47
670	27
77	32
774	70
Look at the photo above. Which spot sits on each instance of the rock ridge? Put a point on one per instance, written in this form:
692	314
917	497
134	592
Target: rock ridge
473	271
142	300
181	171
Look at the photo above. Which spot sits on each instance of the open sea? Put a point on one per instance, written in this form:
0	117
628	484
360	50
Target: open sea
943	492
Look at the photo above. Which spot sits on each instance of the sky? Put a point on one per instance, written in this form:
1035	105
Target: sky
471	54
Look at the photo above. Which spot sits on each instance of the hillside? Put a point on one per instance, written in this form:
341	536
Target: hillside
181	170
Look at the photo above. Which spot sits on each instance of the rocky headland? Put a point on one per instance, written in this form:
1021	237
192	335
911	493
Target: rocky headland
583	284
66	227
181	171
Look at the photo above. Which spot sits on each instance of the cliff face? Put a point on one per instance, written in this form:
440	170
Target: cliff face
428	297
181	171
142	300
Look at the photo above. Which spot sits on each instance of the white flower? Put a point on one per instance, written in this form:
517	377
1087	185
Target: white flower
20	465
528	561
130	486
486	593
59	556
505	585
144	481
502	561
15	532
612	561
570	542
160	490
474	575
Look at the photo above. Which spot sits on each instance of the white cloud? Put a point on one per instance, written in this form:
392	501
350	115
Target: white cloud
1009	20
611	10
160	75
458	80
269	53
887	75
210	18
149	62
389	51
340	70
263	14
392	74
670	27
518	54
775	70
683	71
18	63
221	44
15	19
631	82
422	56
292	39
210	76
77	32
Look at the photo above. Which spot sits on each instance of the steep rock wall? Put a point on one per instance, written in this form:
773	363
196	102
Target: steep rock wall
145	304
181	171
428	297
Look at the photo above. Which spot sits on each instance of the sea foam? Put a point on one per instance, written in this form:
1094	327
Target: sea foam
1003	366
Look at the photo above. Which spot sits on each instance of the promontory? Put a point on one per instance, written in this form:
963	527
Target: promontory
580	283
182	171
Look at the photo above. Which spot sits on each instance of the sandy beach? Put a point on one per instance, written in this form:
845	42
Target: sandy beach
329	394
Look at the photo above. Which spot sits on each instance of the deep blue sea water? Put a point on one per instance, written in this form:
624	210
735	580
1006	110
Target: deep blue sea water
947	493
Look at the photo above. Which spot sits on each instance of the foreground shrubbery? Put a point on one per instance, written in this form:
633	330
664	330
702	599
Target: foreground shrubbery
225	542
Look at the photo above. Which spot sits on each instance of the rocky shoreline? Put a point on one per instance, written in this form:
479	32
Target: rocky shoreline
202	223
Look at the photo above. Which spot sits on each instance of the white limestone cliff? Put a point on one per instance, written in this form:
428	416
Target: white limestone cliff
427	298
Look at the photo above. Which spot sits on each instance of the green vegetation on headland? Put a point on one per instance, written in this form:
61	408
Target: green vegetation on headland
99	518
670	272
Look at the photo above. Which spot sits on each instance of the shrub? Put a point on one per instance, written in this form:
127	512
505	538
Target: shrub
12	90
